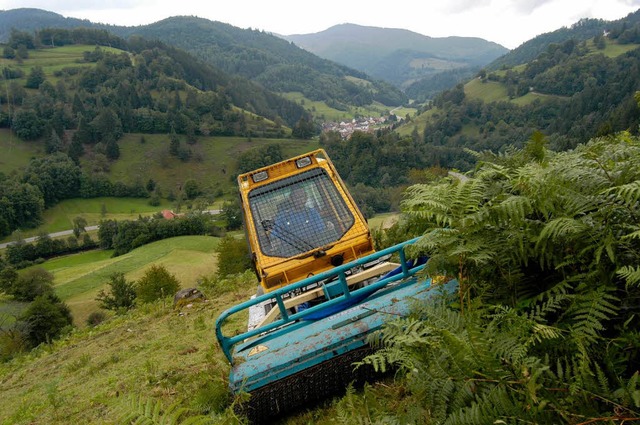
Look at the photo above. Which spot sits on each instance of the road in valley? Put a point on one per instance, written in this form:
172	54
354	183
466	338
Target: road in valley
70	232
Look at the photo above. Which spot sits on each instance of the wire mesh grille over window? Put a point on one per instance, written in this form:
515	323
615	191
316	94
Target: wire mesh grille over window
299	213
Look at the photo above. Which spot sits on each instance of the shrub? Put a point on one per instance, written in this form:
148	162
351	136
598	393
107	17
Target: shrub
121	295
233	256
32	284
156	283
47	317
12	340
96	318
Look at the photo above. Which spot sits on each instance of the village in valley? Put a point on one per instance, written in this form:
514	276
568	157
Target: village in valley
346	128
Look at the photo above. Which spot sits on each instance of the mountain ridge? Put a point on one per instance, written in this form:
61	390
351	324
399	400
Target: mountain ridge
372	49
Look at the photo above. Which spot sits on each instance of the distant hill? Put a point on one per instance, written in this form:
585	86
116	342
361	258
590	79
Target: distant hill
396	55
582	30
270	61
571	92
29	19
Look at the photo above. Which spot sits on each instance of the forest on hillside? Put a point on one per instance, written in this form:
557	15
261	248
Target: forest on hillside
582	93
148	88
271	61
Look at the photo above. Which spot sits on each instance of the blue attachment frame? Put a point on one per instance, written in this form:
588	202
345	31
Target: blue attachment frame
228	342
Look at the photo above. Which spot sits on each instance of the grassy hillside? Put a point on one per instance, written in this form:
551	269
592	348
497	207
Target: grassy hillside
212	164
153	354
98	376
52	60
498	87
61	216
16	153
78	278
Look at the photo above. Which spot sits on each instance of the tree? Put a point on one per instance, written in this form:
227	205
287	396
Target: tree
35	78
259	157
76	150
156	283
31	284
46	319
27	124
9	52
57	177
174	143
112	150
8	278
21	204
304	129
107	126
191	189
53	142
232	214
121	295
79	225
18	38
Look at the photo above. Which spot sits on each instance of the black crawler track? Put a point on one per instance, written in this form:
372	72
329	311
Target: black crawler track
305	389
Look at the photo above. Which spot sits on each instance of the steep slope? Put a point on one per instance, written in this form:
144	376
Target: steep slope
571	92
396	55
582	30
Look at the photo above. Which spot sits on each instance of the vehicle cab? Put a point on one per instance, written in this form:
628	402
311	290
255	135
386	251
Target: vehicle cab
300	220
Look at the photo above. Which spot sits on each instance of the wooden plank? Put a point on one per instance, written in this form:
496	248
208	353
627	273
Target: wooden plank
374	271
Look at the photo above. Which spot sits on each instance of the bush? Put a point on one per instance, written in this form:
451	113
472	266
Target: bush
96	318
122	295
233	256
47	317
32	284
12	338
156	283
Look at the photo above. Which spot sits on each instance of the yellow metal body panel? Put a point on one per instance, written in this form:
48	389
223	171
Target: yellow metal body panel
300	220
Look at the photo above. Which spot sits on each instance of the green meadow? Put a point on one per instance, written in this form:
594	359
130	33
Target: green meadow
78	278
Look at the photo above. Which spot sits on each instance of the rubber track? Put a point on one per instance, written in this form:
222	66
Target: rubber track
327	379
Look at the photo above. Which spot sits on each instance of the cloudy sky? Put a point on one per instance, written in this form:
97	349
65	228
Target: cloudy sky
508	22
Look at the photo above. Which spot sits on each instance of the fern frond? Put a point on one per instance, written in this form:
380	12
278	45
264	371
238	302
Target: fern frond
630	274
629	393
589	311
146	411
628	194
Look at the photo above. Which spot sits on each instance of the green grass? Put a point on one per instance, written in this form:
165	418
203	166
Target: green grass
153	353
419	122
532	96
383	221
79	277
612	49
94	375
53	59
212	164
60	217
488	91
322	111
16	153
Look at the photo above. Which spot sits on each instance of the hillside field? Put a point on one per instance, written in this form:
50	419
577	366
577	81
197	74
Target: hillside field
78	278
99	375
